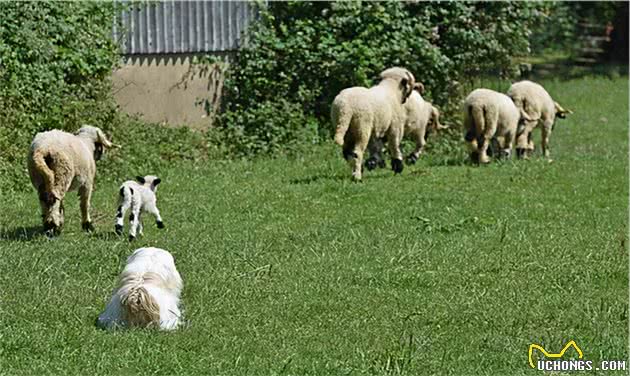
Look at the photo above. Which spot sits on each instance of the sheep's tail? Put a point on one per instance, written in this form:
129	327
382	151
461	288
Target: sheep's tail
340	117
140	308
477	114
40	162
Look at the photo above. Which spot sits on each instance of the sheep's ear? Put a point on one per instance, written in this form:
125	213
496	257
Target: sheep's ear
407	88
157	181
103	140
561	112
419	87
140	179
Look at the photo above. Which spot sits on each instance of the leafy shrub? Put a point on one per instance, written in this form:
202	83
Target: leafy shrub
149	149
55	63
271	127
304	53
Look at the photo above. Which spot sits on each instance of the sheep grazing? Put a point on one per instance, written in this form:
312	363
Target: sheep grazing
359	113
59	162
489	114
535	104
148	293
421	116
140	196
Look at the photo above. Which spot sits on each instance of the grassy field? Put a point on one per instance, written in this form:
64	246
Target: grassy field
290	268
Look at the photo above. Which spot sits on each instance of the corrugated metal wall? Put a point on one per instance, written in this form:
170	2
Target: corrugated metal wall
169	27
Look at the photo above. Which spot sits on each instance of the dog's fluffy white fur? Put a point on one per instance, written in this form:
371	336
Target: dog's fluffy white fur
147	294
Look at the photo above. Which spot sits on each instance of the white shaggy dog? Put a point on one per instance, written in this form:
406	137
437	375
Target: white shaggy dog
147	294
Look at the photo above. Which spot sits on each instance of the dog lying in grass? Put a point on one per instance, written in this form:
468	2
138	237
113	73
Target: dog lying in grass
147	295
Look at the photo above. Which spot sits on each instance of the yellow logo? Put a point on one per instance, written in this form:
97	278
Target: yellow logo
551	355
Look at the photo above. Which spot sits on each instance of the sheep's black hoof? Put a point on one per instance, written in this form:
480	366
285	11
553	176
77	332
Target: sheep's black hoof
505	154
397	166
119	230
371	164
521	153
87	226
412	159
160	224
50	230
474	157
349	154
381	163
132	238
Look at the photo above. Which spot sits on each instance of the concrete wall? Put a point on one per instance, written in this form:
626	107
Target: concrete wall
169	90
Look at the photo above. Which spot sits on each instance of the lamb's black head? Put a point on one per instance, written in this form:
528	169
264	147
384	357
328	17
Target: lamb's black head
150	181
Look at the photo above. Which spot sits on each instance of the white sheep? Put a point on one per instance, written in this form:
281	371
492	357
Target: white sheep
59	162
536	104
489	114
148	293
359	113
421	116
140	196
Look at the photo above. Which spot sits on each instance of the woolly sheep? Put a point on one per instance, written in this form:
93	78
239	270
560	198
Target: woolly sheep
419	115
140	197
536	104
359	113
59	162
489	114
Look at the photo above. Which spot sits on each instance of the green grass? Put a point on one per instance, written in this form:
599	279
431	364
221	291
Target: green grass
290	268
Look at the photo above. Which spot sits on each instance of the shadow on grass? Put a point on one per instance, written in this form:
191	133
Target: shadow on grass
107	235
451	162
567	69
22	233
338	177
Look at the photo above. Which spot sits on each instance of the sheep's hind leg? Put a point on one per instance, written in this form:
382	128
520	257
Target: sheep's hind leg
375	147
546	133
86	194
356	160
505	151
125	204
420	142
134	220
393	142
152	209
471	141
133	225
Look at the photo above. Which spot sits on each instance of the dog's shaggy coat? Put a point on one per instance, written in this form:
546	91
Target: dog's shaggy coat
147	295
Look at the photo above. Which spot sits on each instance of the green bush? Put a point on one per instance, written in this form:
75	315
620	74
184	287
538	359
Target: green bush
272	127
55	62
304	53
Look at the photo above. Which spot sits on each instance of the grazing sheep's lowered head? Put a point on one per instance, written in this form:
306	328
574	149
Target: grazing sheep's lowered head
59	162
